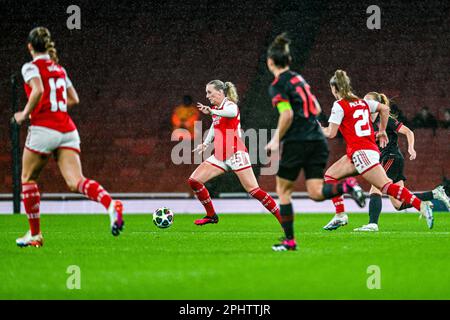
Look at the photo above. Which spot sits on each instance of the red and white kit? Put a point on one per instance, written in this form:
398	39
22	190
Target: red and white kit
51	126
353	118
229	150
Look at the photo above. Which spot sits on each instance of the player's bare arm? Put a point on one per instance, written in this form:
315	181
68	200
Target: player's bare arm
37	89
384	117
331	131
72	97
410	137
284	122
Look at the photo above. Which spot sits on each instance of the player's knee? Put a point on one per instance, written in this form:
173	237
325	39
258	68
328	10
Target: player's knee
283	193
315	193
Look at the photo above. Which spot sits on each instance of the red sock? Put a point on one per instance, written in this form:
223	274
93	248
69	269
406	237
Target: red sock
94	191
402	194
203	196
31	201
339	204
267	201
339	200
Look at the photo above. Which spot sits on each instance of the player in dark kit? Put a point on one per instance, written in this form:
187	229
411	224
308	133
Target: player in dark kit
392	161
304	145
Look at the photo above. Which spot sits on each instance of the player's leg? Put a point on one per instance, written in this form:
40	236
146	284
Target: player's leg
289	167
70	166
202	174
285	187
250	184
378	178
32	165
341	169
375	206
437	193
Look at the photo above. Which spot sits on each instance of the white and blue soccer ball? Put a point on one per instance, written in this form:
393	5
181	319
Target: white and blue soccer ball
163	217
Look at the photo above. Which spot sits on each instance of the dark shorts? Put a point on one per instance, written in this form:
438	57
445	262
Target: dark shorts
394	165
311	156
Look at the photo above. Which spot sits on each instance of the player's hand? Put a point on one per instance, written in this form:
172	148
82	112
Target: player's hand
412	154
20	117
200	148
382	138
203	108
272	146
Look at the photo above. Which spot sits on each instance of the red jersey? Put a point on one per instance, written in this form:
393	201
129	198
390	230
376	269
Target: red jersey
227	134
51	111
353	118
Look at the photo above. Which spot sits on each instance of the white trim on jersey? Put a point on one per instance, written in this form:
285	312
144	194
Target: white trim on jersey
42	56
29	71
68	82
373	105
337	113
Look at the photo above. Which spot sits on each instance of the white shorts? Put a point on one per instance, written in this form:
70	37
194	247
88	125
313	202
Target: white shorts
237	162
364	160
44	141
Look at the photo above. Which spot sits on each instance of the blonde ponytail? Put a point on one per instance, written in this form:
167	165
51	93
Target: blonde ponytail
341	82
231	92
382	98
51	50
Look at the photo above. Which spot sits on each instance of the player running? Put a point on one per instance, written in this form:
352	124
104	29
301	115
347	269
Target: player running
351	116
230	152
304	145
50	93
392	161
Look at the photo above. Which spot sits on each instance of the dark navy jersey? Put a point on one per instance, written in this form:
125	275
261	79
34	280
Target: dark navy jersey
392	128
291	87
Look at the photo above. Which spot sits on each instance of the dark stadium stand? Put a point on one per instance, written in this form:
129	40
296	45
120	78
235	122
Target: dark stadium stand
129	76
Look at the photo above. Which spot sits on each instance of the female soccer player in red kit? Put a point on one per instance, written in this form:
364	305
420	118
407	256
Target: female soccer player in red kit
230	152
351	115
50	93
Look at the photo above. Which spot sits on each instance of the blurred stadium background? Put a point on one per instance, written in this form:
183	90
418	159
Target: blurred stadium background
131	63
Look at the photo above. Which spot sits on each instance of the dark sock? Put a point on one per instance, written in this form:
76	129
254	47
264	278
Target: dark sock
374	208
287	220
425	196
332	190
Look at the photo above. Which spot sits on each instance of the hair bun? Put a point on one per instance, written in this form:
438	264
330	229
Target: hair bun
282	40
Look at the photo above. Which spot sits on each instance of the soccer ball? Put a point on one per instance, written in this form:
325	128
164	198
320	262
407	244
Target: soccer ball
163	217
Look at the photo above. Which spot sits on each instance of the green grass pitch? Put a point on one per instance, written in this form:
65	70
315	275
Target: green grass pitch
230	260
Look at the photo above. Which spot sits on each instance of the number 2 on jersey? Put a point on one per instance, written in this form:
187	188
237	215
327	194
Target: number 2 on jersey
362	127
56	84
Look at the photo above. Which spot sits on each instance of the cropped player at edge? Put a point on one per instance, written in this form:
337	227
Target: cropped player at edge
50	92
392	161
230	152
351	116
304	145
